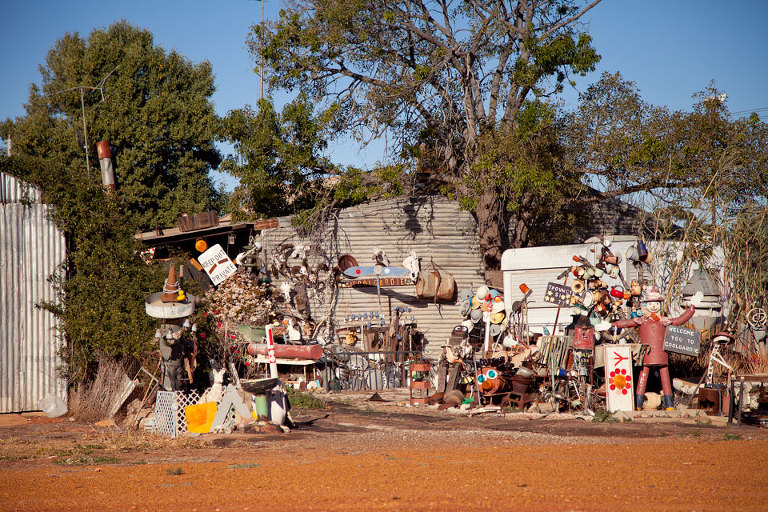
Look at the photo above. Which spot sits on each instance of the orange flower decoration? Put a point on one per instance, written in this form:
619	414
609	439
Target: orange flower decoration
619	380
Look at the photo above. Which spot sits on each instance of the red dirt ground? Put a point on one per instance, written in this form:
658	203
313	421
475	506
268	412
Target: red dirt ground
372	456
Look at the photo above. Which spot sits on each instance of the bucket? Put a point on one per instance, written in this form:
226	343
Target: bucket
200	417
520	384
260	404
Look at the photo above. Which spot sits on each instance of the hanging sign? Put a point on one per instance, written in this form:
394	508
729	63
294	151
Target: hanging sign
559	294
217	264
370	281
682	340
619	395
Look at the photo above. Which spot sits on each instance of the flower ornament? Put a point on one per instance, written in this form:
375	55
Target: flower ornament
618	380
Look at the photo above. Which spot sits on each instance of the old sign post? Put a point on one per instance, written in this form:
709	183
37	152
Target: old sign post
217	264
682	340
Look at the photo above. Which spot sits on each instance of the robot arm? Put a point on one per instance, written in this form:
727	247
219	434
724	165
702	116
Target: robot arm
629	322
680	320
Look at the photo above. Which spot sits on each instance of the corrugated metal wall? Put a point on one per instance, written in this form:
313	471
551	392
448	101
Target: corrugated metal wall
435	228
31	249
16	191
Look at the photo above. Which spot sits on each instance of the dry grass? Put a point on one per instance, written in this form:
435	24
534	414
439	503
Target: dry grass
131	440
92	447
95	401
758	363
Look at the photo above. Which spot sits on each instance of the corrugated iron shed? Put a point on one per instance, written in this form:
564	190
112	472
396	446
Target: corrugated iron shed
434	228
31	249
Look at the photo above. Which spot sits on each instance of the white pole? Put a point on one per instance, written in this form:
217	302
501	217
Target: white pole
271	352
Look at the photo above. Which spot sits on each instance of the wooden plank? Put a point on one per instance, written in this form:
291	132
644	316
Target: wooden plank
442	370
453	377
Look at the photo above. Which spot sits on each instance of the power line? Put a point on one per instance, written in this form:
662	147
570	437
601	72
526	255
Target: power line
749	111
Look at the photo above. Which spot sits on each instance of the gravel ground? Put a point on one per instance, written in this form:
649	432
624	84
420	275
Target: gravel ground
363	455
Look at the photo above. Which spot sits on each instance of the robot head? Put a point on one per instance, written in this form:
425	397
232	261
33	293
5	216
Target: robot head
653	299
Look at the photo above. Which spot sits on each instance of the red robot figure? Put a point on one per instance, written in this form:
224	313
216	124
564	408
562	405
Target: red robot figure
652	330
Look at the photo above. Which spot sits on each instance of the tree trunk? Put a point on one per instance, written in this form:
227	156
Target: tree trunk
489	229
519	233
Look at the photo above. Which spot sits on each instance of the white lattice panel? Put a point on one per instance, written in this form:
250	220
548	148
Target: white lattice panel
170	420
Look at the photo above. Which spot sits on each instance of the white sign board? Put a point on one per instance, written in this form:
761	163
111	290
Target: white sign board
217	264
619	394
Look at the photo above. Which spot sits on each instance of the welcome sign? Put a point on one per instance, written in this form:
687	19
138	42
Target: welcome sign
682	340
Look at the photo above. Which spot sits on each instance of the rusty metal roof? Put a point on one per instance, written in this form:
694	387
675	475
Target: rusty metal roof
165	236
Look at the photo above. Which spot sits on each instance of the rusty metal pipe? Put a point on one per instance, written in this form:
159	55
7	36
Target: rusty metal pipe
287	351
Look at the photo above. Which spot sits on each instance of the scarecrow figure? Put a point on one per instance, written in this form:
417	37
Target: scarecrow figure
178	352
652	330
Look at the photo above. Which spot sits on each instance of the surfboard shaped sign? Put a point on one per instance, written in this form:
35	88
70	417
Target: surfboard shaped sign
355	272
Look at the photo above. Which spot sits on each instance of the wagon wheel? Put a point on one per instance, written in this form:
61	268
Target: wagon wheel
757	318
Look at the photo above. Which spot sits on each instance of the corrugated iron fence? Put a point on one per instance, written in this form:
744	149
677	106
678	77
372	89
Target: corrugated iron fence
434	228
31	249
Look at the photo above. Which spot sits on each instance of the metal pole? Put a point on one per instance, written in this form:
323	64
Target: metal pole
557	315
85	134
261	75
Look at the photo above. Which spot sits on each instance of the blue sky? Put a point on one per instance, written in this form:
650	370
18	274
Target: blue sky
670	48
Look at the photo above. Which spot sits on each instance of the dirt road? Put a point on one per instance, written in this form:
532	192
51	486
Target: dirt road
372	457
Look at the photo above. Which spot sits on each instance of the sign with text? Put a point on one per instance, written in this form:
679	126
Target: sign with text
682	340
371	281
559	294
217	264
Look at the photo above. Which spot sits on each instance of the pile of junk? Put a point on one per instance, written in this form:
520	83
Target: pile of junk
237	396
611	347
614	354
247	327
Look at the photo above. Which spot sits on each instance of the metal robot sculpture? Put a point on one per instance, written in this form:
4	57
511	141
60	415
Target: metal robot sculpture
652	330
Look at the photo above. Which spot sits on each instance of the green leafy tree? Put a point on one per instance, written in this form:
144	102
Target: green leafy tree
278	160
102	284
702	164
152	105
443	78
